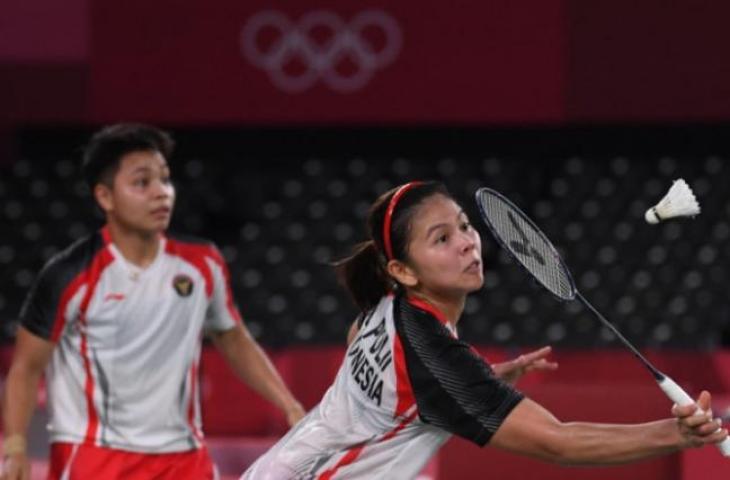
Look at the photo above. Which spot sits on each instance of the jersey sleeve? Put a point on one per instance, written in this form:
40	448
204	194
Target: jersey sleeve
222	313
46	309
454	388
41	305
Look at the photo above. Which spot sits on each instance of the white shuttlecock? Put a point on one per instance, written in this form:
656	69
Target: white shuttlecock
678	202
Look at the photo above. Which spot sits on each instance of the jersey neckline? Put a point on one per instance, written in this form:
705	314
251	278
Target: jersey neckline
134	271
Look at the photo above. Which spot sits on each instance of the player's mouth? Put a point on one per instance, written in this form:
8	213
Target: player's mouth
474	267
162	212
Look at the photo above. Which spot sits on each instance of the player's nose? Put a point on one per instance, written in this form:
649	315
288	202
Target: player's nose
162	189
467	242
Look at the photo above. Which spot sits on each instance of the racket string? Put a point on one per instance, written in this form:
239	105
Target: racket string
531	248
527	244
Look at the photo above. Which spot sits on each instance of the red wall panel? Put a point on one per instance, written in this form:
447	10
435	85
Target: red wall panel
34	31
647	61
471	62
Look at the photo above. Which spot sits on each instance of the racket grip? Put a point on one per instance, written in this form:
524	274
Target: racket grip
676	393
681	398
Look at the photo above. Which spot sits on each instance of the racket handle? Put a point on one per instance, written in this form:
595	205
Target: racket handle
681	398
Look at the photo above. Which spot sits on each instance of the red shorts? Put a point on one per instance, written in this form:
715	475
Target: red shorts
84	462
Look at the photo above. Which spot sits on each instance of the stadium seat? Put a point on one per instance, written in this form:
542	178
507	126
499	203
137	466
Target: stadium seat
663	283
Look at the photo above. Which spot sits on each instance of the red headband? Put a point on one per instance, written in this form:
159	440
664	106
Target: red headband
389	216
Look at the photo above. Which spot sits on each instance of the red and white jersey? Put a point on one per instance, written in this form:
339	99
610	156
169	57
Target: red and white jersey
124	370
406	384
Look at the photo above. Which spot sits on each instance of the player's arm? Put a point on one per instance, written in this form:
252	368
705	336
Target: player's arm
244	355
250	363
31	355
476	405
532	430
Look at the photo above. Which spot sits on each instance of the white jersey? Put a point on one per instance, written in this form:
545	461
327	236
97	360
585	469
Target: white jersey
124	372
406	384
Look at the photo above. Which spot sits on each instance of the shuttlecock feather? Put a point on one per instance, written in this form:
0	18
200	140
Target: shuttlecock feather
678	202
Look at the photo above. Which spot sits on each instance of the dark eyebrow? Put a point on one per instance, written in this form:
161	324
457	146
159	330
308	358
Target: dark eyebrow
433	228
141	169
144	169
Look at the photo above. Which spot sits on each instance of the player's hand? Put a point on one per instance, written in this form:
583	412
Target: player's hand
701	429
293	414
15	467
512	370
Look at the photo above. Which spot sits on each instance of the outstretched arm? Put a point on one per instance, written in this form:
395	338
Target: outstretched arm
252	365
31	355
531	430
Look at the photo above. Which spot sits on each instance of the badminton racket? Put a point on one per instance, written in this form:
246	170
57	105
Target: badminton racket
531	248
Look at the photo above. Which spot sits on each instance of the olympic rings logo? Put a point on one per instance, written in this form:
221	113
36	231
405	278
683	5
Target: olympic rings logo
320	45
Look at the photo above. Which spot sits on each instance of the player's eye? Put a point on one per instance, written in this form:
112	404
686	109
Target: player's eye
141	182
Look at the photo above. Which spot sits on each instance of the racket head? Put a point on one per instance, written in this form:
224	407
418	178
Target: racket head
525	242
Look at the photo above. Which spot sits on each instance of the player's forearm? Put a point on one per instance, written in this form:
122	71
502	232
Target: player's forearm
250	363
532	430
602	444
258	371
19	399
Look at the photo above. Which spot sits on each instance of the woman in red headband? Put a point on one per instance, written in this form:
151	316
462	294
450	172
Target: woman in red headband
407	383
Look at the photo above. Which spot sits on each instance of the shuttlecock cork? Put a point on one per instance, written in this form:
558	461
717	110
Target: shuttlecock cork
678	202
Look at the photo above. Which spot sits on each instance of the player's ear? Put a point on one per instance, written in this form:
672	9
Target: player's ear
104	197
404	274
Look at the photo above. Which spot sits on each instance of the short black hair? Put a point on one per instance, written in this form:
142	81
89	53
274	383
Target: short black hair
110	144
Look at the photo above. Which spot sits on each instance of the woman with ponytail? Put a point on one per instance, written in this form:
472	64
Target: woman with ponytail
407	383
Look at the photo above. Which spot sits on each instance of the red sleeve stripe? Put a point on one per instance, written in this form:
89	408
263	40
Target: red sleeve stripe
93	416
404	391
427	307
196	255
89	277
349	457
352	454
103	259
232	310
59	322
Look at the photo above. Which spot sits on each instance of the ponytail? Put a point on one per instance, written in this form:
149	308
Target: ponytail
363	275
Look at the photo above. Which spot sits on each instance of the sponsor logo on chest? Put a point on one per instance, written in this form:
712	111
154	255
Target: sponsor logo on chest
183	285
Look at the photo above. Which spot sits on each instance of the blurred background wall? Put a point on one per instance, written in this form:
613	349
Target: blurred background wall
481	63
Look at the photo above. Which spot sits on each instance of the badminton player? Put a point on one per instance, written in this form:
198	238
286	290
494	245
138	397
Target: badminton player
407	382
116	322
